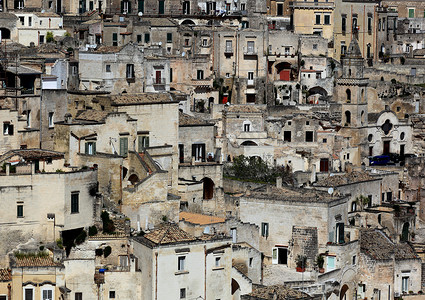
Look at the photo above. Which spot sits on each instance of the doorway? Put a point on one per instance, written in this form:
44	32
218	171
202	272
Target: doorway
386	148
280	255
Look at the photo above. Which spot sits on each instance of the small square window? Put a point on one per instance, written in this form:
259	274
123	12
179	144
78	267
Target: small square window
183	293
307	123
217	262
108	68
139	38
7	129
315	46
309	136
111	294
325	141
181	263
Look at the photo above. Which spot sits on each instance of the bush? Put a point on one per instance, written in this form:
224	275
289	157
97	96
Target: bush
59	243
92	230
49	37
107	251
108	224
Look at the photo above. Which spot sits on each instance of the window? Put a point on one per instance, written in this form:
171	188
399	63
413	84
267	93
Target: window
147	38
265	229
405	280
169	37
327	20
228	46
251	46
114	39
111	294
354	259
22	20
28	118
314	46
19	4
74	203
182	293
41	40
20	211
383	24
200	74
161	7
143	142
411	12
123	262
129	71
369	24
353	206
287	136
217	262
171	74
90	148
243	6
186	7
186	42
108	68
141	6
250	262
204	42
348	93
325	141
29	21
317	19
181	260
309	136
198	151
250	75
50	117
91	5
78	296
29	293
344	23
7	129
287	50
125	7
123	146
47	294
246	127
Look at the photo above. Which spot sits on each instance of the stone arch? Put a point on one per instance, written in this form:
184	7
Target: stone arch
283	69
235	286
348	93
249	143
343	293
208	188
5	33
318	90
133	178
347	117
188	23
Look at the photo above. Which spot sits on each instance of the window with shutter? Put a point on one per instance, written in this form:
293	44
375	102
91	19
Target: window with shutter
123	146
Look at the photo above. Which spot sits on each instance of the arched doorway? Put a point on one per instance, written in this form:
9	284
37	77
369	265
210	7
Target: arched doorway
133	179
284	71
208	188
235	286
405	232
5	33
188	23
343	294
249	143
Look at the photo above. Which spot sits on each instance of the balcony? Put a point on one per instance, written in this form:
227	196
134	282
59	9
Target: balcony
311	5
250	51
228	51
159	81
250	83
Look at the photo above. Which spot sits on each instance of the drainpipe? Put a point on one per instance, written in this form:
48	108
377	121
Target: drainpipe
41	123
156	275
205	273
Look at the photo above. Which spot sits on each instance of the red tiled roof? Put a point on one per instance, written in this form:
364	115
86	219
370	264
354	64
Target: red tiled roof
35	262
5	275
168	234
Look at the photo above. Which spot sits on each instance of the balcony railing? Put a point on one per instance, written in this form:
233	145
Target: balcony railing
228	51
312	4
159	81
249	51
250	82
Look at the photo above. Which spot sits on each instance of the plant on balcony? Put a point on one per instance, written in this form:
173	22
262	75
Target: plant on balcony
320	261
301	262
362	201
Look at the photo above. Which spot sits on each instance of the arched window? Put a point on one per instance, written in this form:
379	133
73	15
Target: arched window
348	92
348	117
5	33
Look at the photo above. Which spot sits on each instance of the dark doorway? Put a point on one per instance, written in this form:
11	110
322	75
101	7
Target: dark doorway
208	188
324	165
181	153
250	98
401	151
282	256
405	232
386	148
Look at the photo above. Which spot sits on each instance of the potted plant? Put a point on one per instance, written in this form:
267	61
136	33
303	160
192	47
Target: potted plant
301	263
320	261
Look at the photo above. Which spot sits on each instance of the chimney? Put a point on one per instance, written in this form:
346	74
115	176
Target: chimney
279	182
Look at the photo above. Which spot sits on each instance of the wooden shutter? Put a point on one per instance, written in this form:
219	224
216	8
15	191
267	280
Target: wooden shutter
203	152
194	150
86	151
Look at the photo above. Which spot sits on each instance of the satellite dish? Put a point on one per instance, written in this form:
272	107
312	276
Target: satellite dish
207	230
43	11
183	53
330	191
140	14
160	43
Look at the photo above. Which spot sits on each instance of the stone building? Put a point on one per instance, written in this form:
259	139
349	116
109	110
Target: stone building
178	265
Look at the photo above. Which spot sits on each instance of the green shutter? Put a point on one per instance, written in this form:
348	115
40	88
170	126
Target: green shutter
86	151
94	148
129	7
141	6
140	144
161	7
123	146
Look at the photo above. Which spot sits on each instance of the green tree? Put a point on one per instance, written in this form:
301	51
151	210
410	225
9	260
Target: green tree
49	36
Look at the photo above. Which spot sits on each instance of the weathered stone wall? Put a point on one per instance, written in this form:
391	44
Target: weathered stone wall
305	243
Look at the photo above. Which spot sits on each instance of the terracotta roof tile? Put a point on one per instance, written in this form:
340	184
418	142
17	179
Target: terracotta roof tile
280	291
185	119
92	115
199	218
346	178
141	98
5	275
168	233
35	262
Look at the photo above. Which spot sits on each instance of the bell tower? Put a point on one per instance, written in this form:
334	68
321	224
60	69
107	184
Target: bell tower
351	93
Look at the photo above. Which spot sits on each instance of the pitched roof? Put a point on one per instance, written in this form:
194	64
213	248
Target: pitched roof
32	261
346	178
282	293
199	218
354	49
5	275
91	115
168	233
30	154
143	98
187	120
378	246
